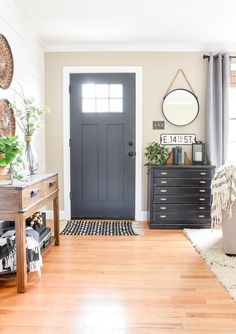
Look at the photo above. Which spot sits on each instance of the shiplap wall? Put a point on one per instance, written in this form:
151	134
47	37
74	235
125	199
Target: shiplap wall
28	57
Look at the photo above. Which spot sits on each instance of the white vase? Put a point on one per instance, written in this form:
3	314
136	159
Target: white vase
31	159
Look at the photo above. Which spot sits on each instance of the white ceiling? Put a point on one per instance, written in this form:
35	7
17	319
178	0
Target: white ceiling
162	25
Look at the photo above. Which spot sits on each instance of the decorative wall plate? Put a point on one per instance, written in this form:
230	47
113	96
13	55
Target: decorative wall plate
7	119
6	63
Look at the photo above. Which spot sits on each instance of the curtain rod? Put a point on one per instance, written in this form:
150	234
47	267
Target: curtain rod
207	57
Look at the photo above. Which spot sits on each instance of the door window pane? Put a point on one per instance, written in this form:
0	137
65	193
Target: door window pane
102	91
102	105
116	90
116	105
88	91
88	105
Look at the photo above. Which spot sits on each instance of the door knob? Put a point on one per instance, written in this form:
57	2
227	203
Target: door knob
131	143
131	154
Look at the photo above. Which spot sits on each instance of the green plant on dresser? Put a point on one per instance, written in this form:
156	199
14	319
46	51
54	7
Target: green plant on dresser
156	154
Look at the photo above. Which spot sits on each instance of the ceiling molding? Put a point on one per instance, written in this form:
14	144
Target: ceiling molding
114	47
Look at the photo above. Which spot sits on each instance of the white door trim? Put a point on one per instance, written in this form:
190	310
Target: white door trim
67	70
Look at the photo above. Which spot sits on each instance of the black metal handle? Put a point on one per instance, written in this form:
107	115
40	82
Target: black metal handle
131	143
131	154
34	193
52	184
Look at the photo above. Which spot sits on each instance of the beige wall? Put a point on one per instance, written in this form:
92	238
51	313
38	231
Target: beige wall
159	69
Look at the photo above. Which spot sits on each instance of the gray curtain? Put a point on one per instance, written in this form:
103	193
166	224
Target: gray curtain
217	120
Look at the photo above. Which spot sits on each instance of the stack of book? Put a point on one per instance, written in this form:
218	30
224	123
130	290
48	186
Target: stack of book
178	155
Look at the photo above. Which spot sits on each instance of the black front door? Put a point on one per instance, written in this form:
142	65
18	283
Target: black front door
102	130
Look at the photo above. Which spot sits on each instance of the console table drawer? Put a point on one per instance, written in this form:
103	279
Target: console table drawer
50	185
178	182
32	194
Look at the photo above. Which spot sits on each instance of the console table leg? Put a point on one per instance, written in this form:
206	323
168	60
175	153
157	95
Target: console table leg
21	267
56	221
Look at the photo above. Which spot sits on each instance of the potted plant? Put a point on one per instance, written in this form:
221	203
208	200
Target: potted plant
10	148
156	154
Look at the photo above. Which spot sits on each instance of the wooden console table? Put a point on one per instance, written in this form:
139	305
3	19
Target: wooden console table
19	201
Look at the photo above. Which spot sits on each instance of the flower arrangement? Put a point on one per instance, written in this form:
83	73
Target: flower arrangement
28	115
29	118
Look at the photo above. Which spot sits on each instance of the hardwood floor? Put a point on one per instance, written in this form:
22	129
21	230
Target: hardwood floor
154	283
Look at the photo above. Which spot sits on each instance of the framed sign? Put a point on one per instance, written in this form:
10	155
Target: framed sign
177	139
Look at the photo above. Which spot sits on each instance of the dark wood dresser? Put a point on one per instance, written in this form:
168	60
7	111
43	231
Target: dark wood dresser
179	196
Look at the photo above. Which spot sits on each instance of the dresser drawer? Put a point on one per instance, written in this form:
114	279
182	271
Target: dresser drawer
181	215
181	190
181	199
183	173
180	207
50	185
31	195
179	224
177	182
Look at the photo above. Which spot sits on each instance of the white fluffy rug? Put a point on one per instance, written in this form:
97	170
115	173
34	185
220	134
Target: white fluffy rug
209	244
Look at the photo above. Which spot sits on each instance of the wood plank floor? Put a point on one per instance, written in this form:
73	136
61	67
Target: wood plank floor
154	283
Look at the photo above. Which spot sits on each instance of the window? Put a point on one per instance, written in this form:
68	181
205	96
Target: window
100	98
232	115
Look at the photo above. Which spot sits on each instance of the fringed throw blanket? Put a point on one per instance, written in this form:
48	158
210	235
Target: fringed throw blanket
8	251
223	189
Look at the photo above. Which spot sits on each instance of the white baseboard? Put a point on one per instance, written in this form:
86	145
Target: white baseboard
142	216
63	216
49	215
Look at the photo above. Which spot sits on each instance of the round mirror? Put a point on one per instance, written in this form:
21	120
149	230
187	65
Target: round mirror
180	107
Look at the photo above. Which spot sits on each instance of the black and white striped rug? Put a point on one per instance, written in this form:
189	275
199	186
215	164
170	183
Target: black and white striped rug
105	227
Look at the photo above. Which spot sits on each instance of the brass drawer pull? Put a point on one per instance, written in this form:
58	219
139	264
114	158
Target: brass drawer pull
163	207
163	199
162	216
201	207
34	193
163	182
203	173
202	199
202	190
163	173
201	216
163	190
203	182
52	184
